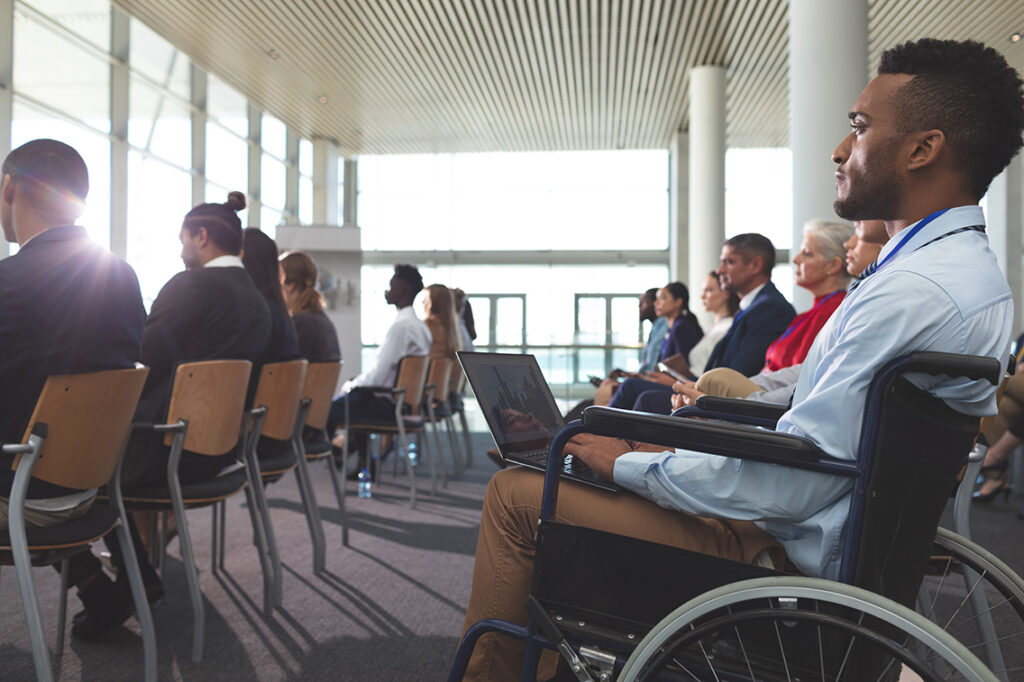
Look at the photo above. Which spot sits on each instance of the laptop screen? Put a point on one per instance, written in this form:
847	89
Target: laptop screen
515	399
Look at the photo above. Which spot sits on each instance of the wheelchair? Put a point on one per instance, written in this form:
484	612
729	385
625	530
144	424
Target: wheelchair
744	622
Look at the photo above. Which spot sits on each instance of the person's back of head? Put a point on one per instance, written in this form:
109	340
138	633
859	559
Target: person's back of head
830	237
405	284
442	307
300	276
221	226
259	256
49	180
970	93
751	245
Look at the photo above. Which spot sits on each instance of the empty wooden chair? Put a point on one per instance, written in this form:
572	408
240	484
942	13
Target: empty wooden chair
321	382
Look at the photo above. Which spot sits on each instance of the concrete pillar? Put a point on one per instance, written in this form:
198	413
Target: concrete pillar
198	89
706	173
119	84
678	209
828	67
1005	203
325	182
350	207
291	192
255	165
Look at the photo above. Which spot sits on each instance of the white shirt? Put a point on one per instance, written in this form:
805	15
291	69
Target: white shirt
750	296
225	261
408	335
701	351
949	296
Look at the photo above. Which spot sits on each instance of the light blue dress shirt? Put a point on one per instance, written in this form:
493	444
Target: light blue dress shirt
652	349
947	296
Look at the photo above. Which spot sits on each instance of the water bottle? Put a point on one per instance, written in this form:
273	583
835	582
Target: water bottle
365	484
413	455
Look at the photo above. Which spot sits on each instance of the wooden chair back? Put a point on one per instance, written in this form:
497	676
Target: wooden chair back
440	376
210	395
280	390
412	376
88	417
321	381
458	383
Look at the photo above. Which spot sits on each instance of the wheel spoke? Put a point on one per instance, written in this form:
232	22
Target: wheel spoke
966	597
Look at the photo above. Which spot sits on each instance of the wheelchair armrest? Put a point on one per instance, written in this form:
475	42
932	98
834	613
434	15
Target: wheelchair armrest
955	365
742	408
730	440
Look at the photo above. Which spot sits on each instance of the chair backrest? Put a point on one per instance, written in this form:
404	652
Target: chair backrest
210	395
88	417
412	376
321	381
440	376
919	447
458	381
280	390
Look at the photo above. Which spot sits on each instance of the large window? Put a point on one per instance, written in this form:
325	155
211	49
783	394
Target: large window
525	201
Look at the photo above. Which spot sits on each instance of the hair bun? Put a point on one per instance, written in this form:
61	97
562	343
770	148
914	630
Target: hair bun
236	201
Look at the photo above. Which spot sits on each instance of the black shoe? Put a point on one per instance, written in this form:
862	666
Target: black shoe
107	605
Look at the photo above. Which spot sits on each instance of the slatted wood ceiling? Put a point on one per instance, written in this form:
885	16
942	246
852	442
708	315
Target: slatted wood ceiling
420	76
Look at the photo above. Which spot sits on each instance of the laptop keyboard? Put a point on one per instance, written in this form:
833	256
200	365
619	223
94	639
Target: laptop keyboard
570	464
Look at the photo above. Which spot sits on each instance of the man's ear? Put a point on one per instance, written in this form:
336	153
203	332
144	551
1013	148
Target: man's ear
202	237
927	147
8	189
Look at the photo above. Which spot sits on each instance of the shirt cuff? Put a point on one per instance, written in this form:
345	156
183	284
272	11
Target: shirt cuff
630	470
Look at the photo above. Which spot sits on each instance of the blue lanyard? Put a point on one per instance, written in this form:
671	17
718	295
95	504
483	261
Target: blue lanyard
910	235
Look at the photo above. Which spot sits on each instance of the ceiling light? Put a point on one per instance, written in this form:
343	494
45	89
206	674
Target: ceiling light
273	54
323	99
1015	38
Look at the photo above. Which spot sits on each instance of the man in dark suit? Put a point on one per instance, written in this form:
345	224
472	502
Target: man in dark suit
746	270
210	311
67	305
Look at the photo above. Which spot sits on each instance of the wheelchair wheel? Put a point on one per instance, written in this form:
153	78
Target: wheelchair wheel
807	629
978	599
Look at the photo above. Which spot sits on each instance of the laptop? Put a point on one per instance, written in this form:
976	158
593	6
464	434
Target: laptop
521	412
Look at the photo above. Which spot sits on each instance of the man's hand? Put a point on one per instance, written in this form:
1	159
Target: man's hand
685	394
660	378
598	452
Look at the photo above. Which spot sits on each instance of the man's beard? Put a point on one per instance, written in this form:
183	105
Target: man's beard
877	201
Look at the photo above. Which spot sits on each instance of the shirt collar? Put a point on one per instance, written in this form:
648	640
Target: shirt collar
226	261
951	219
751	295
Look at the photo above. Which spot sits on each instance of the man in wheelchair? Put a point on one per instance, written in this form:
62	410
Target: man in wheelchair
927	137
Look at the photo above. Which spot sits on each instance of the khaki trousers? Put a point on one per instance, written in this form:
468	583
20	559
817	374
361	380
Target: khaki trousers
39	518
503	571
726	383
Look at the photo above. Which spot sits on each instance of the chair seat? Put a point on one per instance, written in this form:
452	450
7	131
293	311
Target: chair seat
315	442
276	463
200	494
76	533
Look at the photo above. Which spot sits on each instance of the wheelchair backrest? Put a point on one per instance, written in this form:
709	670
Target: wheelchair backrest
912	457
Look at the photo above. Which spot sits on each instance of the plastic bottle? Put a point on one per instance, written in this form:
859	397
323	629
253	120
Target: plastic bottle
413	455
365	483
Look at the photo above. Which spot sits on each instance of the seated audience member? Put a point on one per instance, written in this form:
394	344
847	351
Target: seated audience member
723	305
467	329
211	311
314	332
408	335
67	306
672	303
259	257
777	386
649	355
442	322
929	134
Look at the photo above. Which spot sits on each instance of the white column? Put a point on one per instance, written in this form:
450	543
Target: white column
350	207
678	208
291	192
119	84
198	117
255	165
1004	217
828	67
325	182
706	173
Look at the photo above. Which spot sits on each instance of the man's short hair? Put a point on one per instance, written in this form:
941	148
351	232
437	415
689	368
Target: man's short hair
49	172
750	244
651	293
221	222
411	276
967	91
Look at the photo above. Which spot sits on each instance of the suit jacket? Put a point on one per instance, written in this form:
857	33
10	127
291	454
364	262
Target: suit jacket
752	331
67	306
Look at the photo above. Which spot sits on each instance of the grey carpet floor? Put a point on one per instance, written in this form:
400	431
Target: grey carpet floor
389	607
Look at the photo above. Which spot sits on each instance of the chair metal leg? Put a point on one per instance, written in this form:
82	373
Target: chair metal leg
191	575
142	612
339	494
270	542
162	543
453	444
62	609
223	506
422	446
440	454
214	533
403	442
261	548
466	436
309	503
